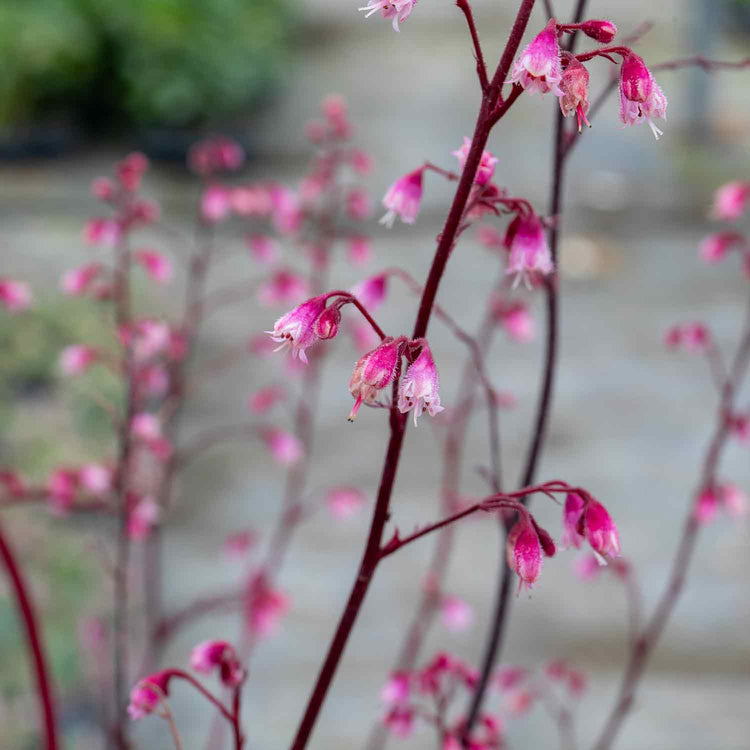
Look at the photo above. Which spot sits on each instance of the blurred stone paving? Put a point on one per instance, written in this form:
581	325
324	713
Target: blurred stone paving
630	420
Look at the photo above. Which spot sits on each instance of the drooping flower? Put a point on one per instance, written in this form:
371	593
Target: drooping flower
486	164
76	359
148	694
715	247
456	614
640	96
296	329
730	200
403	198
373	372
524	552
418	389
76	281
398	10
283	446
572	514
529	251
218	655
575	92
600	530
15	296
538	67
158	266
371	292
344	502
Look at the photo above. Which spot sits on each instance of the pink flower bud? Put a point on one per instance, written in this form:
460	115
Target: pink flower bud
284	287
577	682
296	329
145	211
327	324
403	198
130	171
600	530
14	295
516	320
76	281
13	484
507	678
572	515
264	607
524	552
251	201
374	371
106	232
287	212
706	506
148	694
399	719
359	250
61	487
640	96
158	267
76	359
538	67
520	702
358	204
734	500
397	688
361	162
218	656
486	164
602	31
456	614
371	292
142	517
95	478
716	246
265	398
215	204
529	252
418	388
344	502
691	337
285	448
103	188
730	200
398	10
263	248
575	92
146	427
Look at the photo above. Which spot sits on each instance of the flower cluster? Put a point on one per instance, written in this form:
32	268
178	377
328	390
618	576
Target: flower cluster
586	519
730	202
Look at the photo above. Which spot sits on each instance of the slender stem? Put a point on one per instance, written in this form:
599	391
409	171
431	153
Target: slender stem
350	298
35	647
645	644
397	421
223	710
239	739
465	8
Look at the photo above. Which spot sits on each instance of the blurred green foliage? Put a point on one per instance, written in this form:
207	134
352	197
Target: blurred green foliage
175	63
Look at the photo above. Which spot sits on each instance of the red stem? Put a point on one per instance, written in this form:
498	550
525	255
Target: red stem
35	648
349	297
465	8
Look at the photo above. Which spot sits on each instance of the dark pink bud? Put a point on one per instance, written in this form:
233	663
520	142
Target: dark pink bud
524	552
218	655
603	31
373	372
148	694
327	324
601	532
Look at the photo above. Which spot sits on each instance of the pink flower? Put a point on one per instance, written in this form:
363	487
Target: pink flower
358	204
359	250
148	694
572	515
146	427
587	567
265	607
283	446
147	338
106	232
251	200
287	212
600	530
61	486
95	478
265	398
418	388
371	292
373	372
142	517
486	164
76	359
76	281
508	678
130	171
103	188
716	246
284	287
691	337
730	200
145	211
403	198
263	248
456	614
158	267
152	380
538	68
397	688
734	500
398	10
215	205
218	655
14	485
361	162
296	329
237	544
516	320
706	506
603	31
575	92
400	719
344	502
640	95
529	252
217	153
15	295
524	552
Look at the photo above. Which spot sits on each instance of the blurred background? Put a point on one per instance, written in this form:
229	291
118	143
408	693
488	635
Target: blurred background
85	81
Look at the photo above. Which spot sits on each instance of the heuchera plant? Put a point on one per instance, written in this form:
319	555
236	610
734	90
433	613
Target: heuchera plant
292	234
